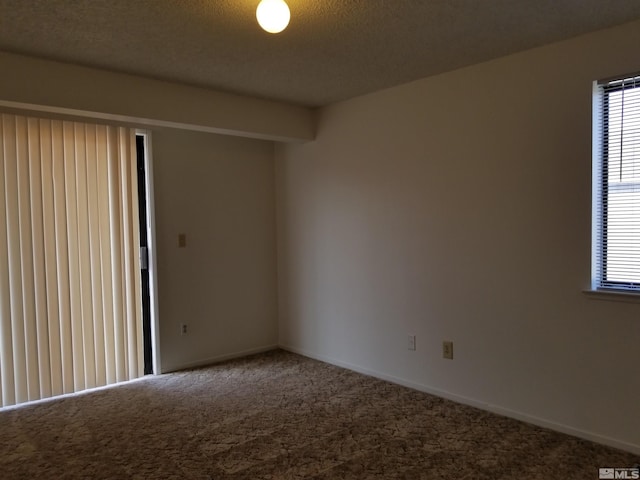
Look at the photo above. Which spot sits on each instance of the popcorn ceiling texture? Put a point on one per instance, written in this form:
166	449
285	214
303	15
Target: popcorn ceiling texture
282	416
331	51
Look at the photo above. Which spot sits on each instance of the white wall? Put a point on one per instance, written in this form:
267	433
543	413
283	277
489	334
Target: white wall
219	191
458	207
53	87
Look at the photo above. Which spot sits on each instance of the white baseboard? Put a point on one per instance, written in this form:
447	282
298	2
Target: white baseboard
541	422
219	358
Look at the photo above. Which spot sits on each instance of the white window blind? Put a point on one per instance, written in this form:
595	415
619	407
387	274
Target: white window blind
69	265
616	185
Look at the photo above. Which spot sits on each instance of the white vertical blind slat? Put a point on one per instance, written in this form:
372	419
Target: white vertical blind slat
106	260
62	255
7	382
49	238
75	294
41	353
27	260
84	257
131	248
18	338
94	245
115	213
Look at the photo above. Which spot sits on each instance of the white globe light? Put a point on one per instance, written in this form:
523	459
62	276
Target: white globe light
273	15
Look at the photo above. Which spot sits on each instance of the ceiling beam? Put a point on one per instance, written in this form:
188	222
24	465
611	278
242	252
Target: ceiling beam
35	85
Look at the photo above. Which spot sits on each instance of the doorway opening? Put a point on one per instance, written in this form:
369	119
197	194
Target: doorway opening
144	253
147	249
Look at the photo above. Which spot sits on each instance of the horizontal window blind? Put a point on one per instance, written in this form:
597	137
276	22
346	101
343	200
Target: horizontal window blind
69	268
617	186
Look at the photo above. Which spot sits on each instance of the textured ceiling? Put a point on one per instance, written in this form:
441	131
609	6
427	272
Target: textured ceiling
332	49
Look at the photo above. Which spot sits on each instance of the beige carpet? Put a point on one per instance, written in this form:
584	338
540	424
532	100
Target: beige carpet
279	415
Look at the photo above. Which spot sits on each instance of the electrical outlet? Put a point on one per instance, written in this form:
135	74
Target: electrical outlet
183	329
411	344
447	350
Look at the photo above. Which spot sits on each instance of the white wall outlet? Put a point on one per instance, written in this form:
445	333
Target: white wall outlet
447	350
411	342
183	329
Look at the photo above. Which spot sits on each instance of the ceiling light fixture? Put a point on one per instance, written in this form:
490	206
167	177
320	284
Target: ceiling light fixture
273	15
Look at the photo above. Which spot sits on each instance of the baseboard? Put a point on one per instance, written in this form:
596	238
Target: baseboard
218	358
541	422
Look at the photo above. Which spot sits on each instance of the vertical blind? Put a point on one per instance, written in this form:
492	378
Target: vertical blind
617	185
69	267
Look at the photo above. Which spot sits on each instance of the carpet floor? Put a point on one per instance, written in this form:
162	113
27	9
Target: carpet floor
281	416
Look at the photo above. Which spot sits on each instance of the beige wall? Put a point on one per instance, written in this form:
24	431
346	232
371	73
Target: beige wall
458	207
219	191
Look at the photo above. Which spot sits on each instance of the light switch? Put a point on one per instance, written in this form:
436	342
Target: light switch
182	240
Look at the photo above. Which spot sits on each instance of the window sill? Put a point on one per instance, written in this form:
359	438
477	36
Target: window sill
613	295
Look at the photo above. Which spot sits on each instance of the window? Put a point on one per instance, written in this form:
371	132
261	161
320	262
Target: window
616	185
